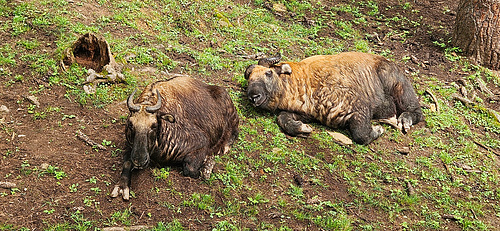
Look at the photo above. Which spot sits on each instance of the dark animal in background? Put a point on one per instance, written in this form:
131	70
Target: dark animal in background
344	90
177	121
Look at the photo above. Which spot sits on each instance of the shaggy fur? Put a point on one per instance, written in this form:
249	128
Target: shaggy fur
192	123
345	90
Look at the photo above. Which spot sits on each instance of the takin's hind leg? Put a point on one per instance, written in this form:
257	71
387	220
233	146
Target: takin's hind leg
362	131
292	124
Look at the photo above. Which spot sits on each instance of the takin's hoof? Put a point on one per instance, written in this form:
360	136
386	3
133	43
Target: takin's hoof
377	131
207	168
119	191
405	121
304	131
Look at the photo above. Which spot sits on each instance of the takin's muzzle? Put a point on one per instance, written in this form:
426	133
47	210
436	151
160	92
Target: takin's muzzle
256	93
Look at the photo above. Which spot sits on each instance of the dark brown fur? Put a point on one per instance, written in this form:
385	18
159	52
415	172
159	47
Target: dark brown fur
344	90
195	122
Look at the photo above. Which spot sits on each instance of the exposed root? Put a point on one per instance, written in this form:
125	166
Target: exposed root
465	101
90	142
482	86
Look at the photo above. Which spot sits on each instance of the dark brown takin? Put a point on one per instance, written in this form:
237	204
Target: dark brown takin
345	90
177	121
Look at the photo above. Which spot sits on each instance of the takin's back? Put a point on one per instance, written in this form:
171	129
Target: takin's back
338	85
203	114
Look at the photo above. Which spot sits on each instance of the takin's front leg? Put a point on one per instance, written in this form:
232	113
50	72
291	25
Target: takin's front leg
292	124
123	186
194	161
361	129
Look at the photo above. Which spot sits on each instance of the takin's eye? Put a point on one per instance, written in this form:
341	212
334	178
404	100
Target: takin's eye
269	73
168	117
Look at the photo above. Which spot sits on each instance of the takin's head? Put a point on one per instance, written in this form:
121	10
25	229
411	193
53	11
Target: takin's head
263	82
142	130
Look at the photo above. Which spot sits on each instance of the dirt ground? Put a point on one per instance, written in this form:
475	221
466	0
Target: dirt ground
53	142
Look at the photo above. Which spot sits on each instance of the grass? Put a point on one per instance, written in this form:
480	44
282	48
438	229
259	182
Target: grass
254	180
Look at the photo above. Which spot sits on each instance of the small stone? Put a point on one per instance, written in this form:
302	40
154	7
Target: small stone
33	100
4	109
90	89
223	23
343	139
279	7
404	150
44	166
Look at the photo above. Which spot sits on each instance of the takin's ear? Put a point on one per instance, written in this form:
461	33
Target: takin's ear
286	69
168	117
283	69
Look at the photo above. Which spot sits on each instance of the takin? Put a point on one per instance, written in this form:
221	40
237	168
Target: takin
177	121
345	90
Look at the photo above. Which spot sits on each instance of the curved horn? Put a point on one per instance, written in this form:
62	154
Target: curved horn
249	70
153	109
267	62
130	103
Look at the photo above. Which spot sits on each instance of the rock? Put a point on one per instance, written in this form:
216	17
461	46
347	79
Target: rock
404	150
90	88
33	100
113	74
339	137
279	7
44	166
223	23
7	185
4	110
314	200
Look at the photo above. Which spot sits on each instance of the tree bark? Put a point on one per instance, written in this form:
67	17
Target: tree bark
477	31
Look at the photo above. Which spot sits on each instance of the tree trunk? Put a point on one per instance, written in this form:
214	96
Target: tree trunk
477	31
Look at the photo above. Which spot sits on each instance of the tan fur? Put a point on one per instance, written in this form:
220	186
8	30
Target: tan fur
323	86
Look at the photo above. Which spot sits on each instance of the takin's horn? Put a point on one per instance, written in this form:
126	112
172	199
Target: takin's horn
153	109
267	62
130	103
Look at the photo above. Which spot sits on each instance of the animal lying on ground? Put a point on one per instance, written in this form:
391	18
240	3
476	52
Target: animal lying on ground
344	90
177	121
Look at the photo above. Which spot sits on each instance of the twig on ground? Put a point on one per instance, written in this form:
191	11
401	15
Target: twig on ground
7	185
487	148
449	172
253	57
465	101
473	213
450	217
411	190
433	99
90	142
